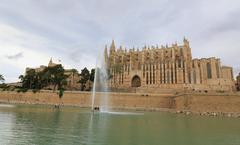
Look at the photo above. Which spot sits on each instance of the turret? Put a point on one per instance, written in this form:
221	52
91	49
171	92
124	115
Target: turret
187	49
185	42
113	47
50	62
106	54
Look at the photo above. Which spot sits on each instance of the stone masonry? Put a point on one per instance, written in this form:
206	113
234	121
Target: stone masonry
152	69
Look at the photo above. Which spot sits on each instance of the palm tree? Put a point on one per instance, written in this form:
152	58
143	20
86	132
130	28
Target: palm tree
21	77
74	72
1	78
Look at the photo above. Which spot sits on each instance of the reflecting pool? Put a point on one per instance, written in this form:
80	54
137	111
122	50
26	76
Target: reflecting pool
44	125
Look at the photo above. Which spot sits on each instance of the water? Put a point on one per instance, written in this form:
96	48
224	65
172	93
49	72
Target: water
101	84
42	125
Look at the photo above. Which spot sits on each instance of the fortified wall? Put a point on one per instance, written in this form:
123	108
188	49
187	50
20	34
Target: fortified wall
134	101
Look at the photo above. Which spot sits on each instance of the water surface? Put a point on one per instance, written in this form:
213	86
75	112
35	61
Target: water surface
43	125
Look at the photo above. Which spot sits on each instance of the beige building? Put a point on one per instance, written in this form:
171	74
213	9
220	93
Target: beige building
73	76
238	82
155	69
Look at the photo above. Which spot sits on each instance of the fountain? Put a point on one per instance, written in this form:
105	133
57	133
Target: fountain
100	85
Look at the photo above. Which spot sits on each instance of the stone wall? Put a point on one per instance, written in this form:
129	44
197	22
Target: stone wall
137	101
208	103
83	99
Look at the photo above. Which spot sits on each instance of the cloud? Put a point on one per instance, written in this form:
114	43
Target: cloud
15	56
76	31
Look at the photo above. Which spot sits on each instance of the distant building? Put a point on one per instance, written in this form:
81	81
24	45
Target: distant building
72	80
15	84
73	76
238	82
153	69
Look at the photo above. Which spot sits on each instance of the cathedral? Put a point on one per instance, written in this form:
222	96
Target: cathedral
154	69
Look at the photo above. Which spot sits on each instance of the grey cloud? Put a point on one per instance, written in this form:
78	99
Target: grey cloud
15	56
77	30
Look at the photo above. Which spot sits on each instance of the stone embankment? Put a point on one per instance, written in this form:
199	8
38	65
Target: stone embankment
208	104
212	114
202	104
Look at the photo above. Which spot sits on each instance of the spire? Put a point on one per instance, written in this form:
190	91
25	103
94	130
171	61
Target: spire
120	47
185	42
184	38
145	46
106	54
50	62
113	45
105	51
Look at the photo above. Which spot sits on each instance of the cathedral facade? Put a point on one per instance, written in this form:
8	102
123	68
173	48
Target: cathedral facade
238	82
152	69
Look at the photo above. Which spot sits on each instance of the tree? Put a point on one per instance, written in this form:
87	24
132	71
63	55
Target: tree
44	78
1	78
92	75
85	76
49	76
74	71
57	77
29	79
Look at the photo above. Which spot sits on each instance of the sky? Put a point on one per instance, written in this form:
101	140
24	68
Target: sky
75	32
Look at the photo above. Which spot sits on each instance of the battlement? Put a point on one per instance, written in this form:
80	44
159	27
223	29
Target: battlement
146	48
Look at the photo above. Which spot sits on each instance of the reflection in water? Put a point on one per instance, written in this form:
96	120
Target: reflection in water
32	125
6	131
121	113
6	106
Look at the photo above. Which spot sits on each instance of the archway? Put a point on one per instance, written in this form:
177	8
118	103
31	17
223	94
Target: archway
136	81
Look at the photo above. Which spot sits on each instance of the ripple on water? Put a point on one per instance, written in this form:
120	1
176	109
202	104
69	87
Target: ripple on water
121	113
7	105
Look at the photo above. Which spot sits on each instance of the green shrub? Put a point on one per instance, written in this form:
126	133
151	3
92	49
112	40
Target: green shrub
61	92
